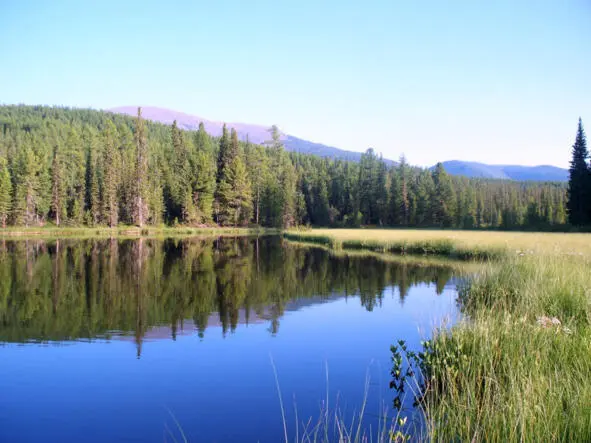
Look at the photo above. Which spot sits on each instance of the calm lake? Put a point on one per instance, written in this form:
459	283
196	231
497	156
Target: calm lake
146	340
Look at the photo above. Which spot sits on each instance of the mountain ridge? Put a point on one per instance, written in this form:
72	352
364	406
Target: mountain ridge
259	134
506	172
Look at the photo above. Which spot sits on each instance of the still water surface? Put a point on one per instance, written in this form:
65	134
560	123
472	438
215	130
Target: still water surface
146	340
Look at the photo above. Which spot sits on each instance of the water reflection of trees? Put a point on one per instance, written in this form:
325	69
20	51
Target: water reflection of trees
73	289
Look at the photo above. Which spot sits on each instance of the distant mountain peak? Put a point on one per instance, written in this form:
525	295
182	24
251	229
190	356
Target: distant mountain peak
507	172
259	134
256	133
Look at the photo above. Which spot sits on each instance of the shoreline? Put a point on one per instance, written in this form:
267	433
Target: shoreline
129	232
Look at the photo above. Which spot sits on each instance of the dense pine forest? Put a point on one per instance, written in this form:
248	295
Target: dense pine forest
84	167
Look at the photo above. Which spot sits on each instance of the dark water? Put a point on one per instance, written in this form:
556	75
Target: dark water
146	340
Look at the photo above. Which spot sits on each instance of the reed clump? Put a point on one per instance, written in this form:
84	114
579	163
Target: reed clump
518	368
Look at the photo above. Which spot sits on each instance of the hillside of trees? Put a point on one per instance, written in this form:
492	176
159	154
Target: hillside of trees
84	167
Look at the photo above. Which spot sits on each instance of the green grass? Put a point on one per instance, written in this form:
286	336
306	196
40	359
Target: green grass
499	375
461	267
444	247
511	379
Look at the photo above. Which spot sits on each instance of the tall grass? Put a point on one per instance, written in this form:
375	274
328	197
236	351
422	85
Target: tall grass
512	378
503	374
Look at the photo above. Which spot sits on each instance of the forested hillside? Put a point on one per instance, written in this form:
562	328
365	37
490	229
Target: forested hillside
85	167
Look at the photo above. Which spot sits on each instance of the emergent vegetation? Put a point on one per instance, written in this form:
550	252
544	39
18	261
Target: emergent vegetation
518	368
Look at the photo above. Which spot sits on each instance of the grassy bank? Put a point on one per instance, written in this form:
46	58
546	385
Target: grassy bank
457	244
518	368
128	232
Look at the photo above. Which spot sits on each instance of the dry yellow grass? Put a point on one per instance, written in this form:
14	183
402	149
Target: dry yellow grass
528	242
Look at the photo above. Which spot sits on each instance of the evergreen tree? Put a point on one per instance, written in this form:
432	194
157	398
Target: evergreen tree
288	183
242	193
579	191
180	177
443	198
155	196
141	172
27	194
5	192
381	193
257	162
111	164
58	191
404	191
93	170
224	154
394	216
230	200
275	142
321	209
73	171
205	175
367	186
420	196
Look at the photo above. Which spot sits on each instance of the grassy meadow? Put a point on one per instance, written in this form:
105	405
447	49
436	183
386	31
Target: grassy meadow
518	368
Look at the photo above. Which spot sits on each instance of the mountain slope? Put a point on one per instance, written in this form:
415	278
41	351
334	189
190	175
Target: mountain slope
255	133
507	172
260	134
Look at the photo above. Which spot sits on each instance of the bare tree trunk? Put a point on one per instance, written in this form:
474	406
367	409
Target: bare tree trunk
140	211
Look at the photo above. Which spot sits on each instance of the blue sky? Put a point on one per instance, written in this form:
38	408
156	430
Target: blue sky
500	82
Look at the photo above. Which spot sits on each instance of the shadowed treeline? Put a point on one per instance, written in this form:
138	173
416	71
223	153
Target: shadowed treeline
83	289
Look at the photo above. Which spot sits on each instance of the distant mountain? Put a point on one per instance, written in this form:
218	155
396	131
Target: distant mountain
255	133
260	134
306	147
507	172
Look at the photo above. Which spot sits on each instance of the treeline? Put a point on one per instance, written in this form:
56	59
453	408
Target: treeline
72	289
85	167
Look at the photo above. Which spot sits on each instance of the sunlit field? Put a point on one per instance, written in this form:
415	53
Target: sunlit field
512	242
518	368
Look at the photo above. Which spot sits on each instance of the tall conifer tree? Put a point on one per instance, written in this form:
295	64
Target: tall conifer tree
58	188
5	192
141	171
111	164
579	192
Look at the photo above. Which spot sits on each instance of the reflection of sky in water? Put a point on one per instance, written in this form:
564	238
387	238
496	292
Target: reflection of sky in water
219	388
